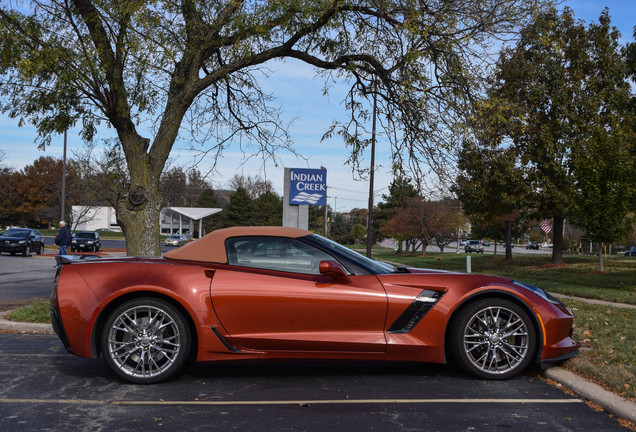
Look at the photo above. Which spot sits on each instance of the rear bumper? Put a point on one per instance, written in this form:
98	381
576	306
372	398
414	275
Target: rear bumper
58	328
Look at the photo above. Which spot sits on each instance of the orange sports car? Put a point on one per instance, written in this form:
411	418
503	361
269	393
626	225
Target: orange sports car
285	293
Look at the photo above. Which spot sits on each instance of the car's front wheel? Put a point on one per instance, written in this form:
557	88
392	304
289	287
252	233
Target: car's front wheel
145	340
493	339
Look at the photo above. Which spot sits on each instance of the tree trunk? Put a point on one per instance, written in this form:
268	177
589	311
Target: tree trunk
138	210
140	222
601	268
508	241
557	239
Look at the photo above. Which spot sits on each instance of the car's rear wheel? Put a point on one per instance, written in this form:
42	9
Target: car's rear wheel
493	339
145	340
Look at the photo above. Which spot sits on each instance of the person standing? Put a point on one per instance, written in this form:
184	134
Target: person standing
63	238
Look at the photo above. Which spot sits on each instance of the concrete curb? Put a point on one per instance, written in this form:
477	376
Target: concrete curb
22	326
612	403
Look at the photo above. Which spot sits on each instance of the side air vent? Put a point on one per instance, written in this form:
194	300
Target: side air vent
417	310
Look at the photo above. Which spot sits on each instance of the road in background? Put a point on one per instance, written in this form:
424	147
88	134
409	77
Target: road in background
452	248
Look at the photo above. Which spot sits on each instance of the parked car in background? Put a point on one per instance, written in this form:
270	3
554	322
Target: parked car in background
632	252
249	293
22	240
485	243
176	240
533	245
474	246
86	241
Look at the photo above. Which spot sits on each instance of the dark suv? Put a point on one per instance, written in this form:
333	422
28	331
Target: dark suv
86	241
22	240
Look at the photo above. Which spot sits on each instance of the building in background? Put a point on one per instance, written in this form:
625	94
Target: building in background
174	220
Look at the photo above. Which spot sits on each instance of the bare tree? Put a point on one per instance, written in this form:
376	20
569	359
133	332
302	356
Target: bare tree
157	71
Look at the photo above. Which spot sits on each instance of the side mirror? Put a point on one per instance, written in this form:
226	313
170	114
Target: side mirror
335	270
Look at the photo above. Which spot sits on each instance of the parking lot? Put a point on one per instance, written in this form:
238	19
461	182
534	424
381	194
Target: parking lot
37	375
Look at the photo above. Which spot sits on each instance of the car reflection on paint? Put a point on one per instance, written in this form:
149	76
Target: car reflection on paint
284	293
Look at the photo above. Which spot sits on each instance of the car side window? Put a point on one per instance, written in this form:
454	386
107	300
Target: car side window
275	253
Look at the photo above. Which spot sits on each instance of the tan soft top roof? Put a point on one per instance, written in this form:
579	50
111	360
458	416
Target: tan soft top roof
211	247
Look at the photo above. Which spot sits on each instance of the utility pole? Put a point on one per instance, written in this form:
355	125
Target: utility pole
63	180
371	173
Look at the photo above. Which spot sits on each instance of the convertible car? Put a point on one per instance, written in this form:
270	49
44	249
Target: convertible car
285	293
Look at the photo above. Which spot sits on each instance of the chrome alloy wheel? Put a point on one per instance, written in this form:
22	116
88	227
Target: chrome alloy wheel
144	341
496	340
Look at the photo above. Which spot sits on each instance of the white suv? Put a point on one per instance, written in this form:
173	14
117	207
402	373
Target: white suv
474	246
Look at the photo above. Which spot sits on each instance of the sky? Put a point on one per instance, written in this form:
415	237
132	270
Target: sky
300	95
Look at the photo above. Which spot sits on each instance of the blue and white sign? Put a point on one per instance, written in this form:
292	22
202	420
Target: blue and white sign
308	186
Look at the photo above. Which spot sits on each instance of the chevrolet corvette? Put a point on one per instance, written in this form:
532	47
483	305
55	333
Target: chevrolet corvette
285	293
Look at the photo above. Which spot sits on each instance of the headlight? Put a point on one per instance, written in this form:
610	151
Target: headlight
538	291
74	241
22	242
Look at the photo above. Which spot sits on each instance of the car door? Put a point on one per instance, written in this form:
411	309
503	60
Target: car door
273	297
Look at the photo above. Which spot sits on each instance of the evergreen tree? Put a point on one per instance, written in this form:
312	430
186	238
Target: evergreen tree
240	210
268	209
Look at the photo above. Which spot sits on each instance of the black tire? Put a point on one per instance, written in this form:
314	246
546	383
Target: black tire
493	339
137	349
27	251
41	249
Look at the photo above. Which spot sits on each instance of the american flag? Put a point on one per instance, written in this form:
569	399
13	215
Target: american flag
545	226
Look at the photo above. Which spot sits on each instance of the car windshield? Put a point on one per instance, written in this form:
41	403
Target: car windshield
374	266
17	233
85	235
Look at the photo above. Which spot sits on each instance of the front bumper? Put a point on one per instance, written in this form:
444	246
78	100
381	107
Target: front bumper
548	363
13	248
